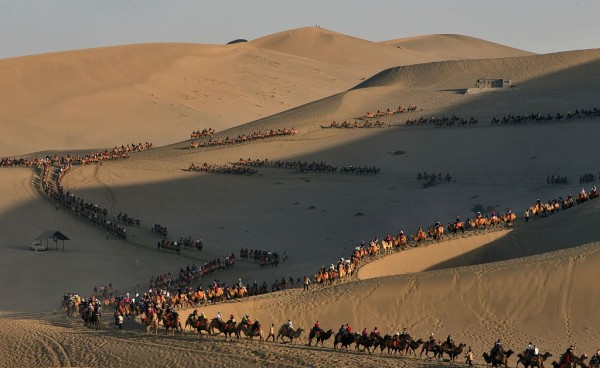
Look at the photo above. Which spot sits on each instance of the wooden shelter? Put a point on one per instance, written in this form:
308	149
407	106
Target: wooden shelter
55	235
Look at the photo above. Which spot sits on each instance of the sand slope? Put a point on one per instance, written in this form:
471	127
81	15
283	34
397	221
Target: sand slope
455	47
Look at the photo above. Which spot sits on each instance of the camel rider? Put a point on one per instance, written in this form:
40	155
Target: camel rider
401	233
231	320
348	328
404	333
174	316
246	320
342	330
508	211
388	238
318	325
569	355
255	325
365	334
289	325
375	332
529	349
457	221
437	224
582	192
536	351
194	313
479	214
593	189
450	341
497	349
431	340
202	316
219	315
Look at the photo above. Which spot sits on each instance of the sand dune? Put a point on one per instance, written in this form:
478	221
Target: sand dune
455	47
530	284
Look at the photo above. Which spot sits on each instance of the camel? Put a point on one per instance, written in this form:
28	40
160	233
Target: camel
249	331
577	361
500	359
151	323
291	334
374	248
367	342
455	227
202	325
413	345
419	236
222	327
321	336
509	219
387	246
581	198
529	360
216	296
430	346
593	194
437	232
191	321
400	242
345	340
452	352
391	343
174	325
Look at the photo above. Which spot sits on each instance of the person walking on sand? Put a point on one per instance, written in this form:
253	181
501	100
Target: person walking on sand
271	332
470	356
306	282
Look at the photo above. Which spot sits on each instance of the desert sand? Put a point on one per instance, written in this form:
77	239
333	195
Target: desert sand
532	282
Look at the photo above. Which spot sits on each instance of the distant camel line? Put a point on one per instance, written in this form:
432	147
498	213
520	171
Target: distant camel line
455	120
305	166
270	133
115	153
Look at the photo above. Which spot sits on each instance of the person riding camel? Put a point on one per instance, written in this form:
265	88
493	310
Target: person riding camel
401	233
568	356
348	329
246	320
508	211
388	238
582	193
255	325
365	334
529	349
450	341
231	321
317	325
194	313
375	332
289	325
431	340
202	316
342	330
404	333
219	315
497	349
478	215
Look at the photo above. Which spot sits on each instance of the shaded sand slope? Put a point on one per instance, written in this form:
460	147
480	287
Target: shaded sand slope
455	47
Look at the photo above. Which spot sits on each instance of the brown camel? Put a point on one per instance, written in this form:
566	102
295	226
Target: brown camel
291	334
151	323
224	328
529	360
500	359
249	331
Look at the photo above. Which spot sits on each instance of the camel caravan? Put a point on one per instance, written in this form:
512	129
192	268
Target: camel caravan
207	132
222	169
454	120
254	136
115	153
